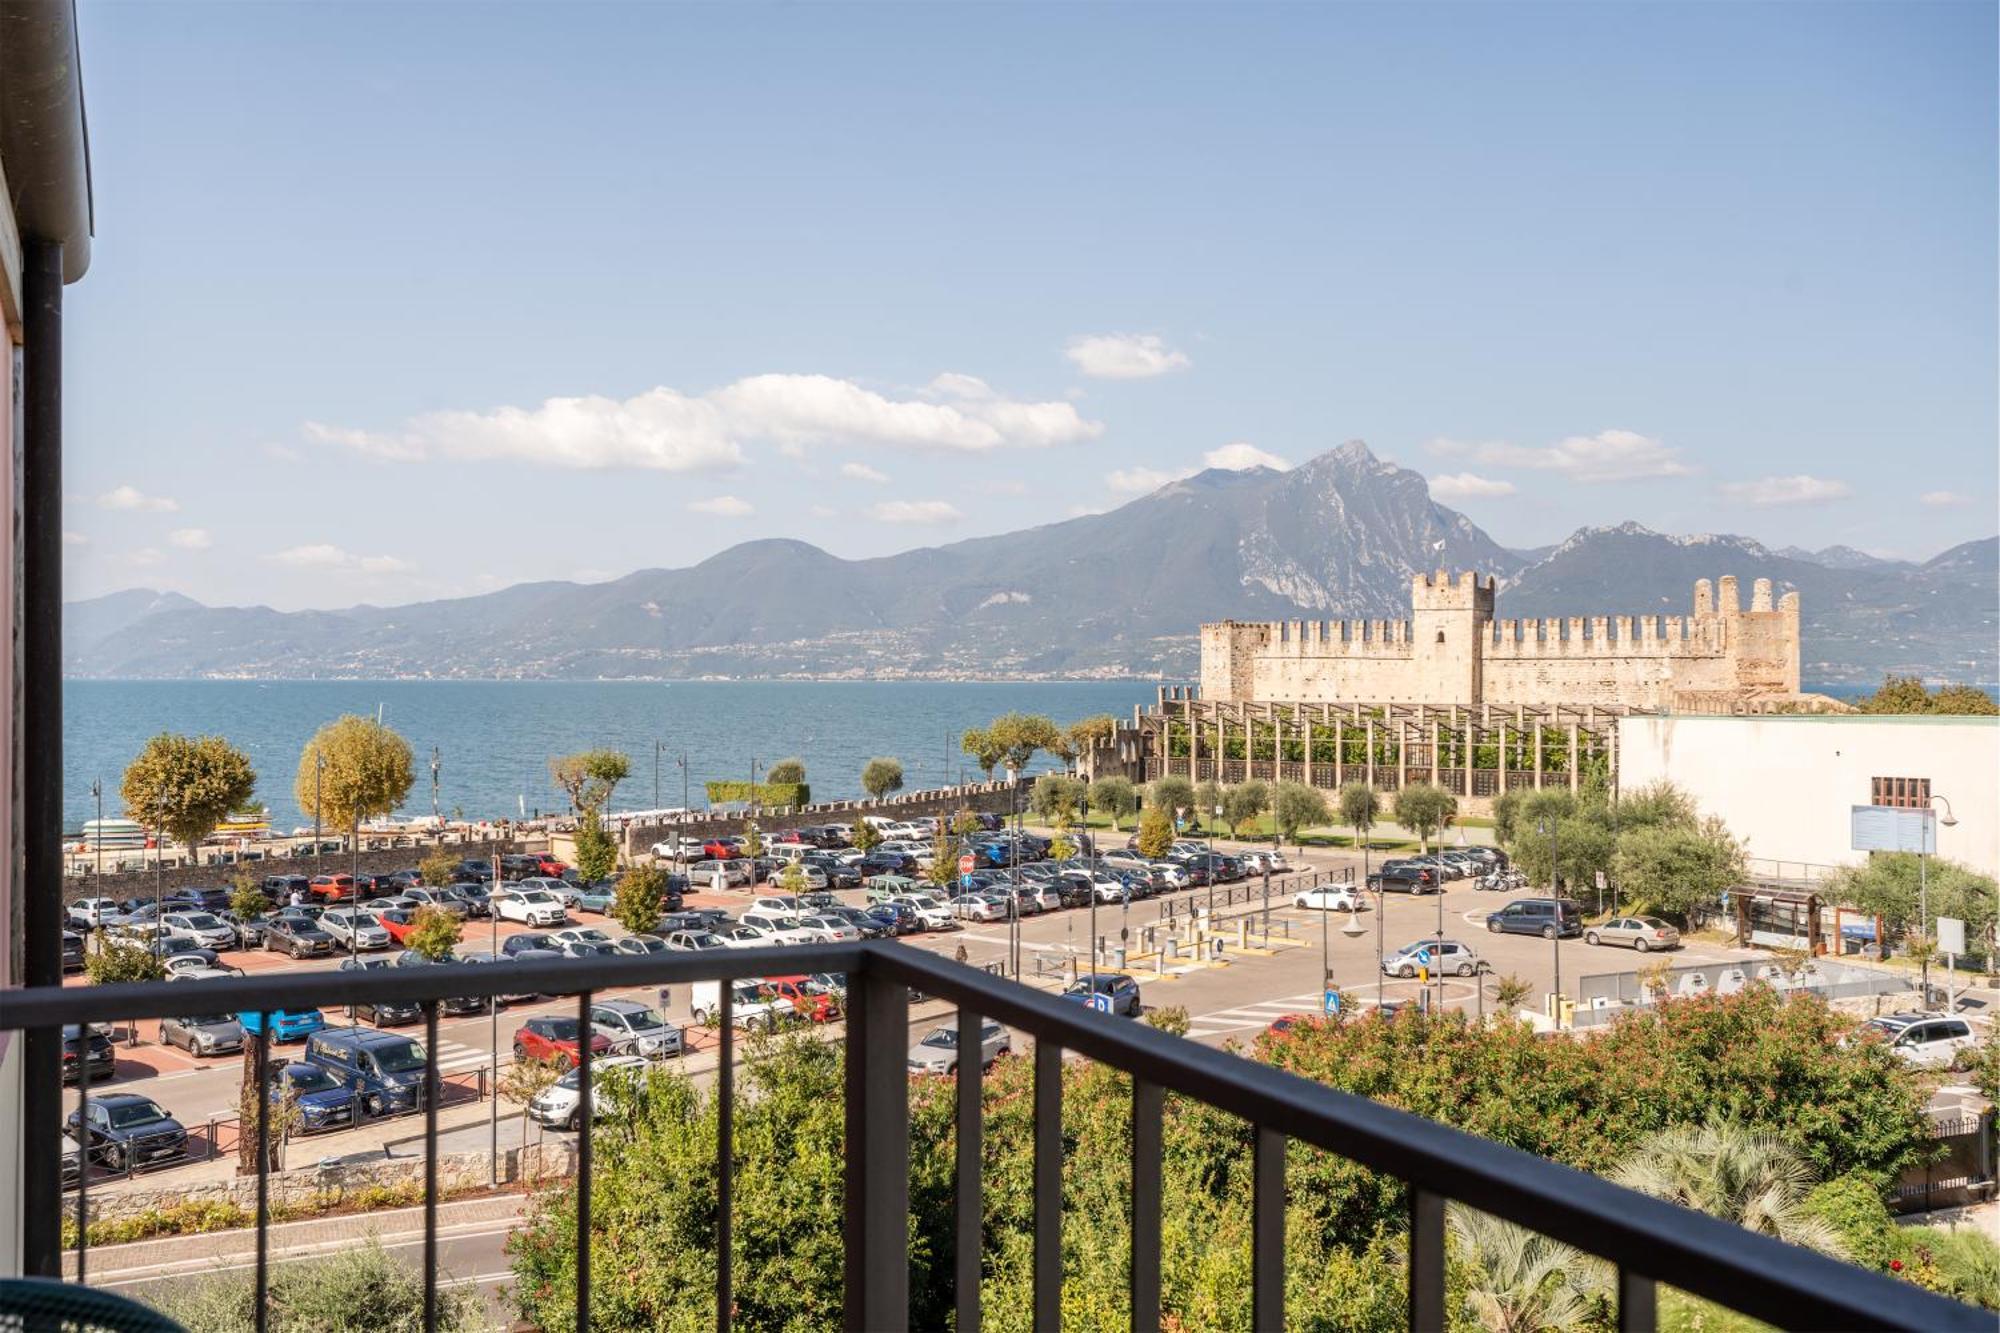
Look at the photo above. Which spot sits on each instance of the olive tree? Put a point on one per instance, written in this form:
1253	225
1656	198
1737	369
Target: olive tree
786	771
635	903
1424	808
114	961
1244	802
985	750
1172	794
1114	796
881	775
588	777
438	868
1055	796
1019	737
1296	807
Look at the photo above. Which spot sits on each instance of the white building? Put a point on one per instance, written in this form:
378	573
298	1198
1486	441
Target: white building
1785	784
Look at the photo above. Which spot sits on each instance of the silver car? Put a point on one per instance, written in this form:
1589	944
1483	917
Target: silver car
354	927
937	1053
634	1029
203	929
1643	933
217	1034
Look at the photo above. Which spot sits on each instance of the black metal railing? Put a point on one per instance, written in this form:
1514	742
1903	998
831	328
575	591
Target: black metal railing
1646	1239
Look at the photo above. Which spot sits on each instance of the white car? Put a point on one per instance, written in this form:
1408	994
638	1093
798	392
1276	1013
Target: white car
736	872
558	1106
746	937
784	904
354	927
580	935
180	964
90	913
1926	1041
778	927
1456	959
752	1004
1173	876
828	929
678	849
532	907
1330	898
933	914
565	892
979	907
205	929
692	941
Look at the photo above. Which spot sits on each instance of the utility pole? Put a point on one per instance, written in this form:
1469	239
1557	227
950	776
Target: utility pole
493	1008
97	793
1548	826
435	819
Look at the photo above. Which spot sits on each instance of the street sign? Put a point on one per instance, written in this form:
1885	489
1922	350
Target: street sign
1101	1003
1601	883
1888	828
1331	1003
1951	935
965	864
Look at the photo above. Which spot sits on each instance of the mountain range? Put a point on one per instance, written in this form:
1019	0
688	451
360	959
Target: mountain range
1119	593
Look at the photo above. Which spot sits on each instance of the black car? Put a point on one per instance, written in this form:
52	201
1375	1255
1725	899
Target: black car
474	872
128	1130
871	927
279	888
1403	879
297	936
72	951
382	1013
101	1061
202	900
453	1004
879	862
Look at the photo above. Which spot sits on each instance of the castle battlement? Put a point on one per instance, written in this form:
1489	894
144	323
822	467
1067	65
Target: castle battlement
1453	651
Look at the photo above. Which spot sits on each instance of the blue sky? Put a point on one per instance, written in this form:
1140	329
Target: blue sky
396	302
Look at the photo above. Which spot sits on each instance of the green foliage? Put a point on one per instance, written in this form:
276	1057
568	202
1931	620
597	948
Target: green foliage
881	776
1171	795
360	1290
787	772
1507	815
1732	1172
186	785
1510	1278
368	772
1056	795
1424	808
1243	802
1085	734
1156	833
1019	737
1114	796
588	777
985	750
115	960
753	840
434	933
635	904
1208	801
771	795
1852	1209
1296	807
1676	867
866	836
1359	808
596	850
246	896
1169	1018
1886	885
438	868
1906	694
1961	1262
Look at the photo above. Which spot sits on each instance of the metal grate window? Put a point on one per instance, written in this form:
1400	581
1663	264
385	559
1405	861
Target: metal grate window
1902	793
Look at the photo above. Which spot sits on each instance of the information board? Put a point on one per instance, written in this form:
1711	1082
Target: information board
1888	828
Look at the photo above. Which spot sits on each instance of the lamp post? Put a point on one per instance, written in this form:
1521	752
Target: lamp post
1215	815
1548	826
656	774
493	1069
1928	843
97	794
1380	946
435	821
319	768
1083	815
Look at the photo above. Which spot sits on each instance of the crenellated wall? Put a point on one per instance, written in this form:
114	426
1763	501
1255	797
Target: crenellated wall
1452	651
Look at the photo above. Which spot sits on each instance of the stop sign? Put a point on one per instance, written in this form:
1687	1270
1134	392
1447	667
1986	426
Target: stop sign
965	864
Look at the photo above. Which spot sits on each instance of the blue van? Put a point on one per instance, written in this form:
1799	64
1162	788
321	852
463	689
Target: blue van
384	1070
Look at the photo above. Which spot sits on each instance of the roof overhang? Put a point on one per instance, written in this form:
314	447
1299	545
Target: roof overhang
44	146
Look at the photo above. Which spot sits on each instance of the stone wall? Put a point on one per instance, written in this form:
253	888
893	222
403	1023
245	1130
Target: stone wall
311	1189
1452	651
997	797
373	861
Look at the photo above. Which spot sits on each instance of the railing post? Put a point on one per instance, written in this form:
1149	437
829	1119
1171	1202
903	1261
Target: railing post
878	1154
1267	1234
1048	1185
1637	1303
1426	1261
969	1206
1148	1104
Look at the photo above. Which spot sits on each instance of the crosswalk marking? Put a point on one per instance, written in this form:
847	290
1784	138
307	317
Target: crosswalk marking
1259	1014
452	1055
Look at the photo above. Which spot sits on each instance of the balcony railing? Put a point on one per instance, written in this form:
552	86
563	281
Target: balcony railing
1645	1239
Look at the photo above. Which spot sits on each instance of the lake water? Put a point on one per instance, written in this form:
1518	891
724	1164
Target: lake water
495	738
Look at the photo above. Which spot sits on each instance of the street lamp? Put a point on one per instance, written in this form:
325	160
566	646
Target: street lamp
97	793
435	820
1083	816
1925	844
1548	826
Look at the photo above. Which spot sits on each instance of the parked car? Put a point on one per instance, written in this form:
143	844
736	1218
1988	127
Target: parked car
1330	898
323	1101
531	907
883	888
514	945
829	928
937	1053
90	913
1643	933
297	936
979	907
203	928
634	1029
1110	992
384	1070
280	888
1924	1040
286	1024
73	959
778	928
476	897
382	1013
693	941
249	930
556	1037
91	1056
1547	917
560	1105
735	872
442	899
189	962
641	944
211	1034
332	888
125	1130
197	899
583	948
1433	957
472	872
351	927
1406	879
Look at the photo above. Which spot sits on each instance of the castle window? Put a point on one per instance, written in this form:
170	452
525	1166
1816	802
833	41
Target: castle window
1902	793
1440	636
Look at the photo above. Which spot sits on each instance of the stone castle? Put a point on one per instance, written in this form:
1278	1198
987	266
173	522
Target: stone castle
1451	651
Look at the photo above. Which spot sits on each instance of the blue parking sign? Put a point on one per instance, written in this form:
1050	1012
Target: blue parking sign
1331	1004
1101	1003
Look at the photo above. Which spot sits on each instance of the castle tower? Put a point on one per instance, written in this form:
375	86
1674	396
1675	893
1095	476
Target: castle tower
1449	619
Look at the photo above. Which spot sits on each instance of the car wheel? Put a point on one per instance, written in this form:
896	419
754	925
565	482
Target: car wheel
1493	927
1406	971
1639	945
1465	969
371	1105
114	1158
1548	932
297	953
575	1121
1590	938
520	1052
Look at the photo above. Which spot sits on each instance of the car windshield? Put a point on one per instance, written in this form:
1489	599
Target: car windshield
640	1020
200	921
943	1038
537	896
209	1020
125	1115
403	1057
311	1078
560	1029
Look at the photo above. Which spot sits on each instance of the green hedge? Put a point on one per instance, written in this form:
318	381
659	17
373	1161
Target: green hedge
764	793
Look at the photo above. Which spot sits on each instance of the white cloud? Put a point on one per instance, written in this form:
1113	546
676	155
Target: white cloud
190	539
723	506
1466	486
918	513
1945	499
1609	455
1240	455
1008	487
1142	480
862	472
324	555
951	384
668	431
145	558
132	499
75	539
1772	492
1124	356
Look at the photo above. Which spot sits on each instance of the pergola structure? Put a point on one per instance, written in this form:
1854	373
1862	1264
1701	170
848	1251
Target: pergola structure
1472	752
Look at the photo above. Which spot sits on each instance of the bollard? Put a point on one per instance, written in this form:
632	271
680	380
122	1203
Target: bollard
1119	954
1215	948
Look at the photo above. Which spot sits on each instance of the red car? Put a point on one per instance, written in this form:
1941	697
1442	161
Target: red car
555	1038
332	888
812	1005
720	849
549	866
397	921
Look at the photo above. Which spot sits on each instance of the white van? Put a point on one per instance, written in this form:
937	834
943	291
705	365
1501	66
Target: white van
752	1006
